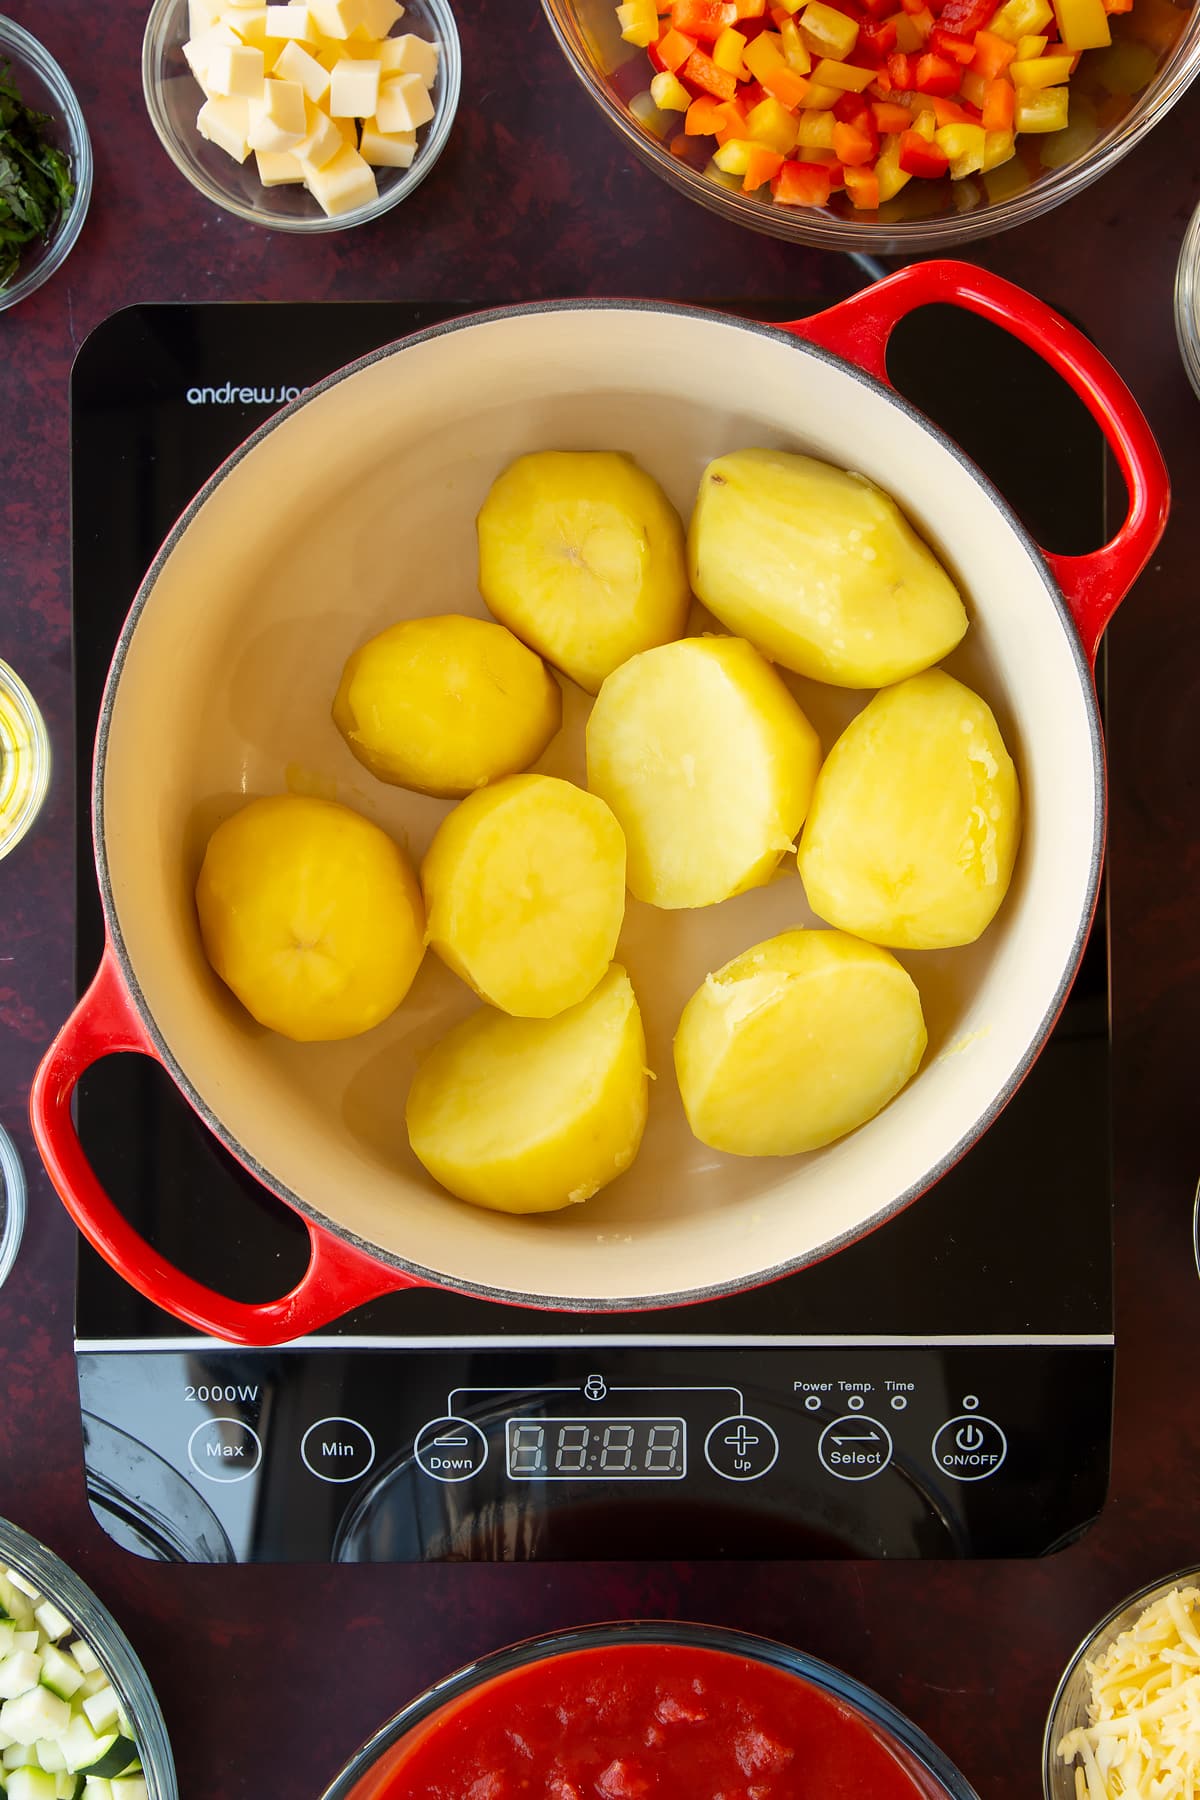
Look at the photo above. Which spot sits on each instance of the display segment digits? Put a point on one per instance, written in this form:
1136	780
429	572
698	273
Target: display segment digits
577	1449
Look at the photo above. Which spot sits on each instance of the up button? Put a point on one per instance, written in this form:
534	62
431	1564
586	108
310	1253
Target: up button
969	1448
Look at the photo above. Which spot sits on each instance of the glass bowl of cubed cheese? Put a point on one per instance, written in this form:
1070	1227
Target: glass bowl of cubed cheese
78	1717
308	116
1124	1720
892	126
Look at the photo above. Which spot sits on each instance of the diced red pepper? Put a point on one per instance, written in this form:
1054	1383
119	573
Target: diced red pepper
862	185
851	109
948	44
902	71
656	61
853	147
703	72
705	19
802	184
876	40
966	17
750	95
999	105
919	157
934	75
992	54
889	118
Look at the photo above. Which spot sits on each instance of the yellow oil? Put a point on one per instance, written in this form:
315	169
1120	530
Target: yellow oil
24	759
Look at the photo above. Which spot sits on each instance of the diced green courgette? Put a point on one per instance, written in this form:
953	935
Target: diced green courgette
31	1784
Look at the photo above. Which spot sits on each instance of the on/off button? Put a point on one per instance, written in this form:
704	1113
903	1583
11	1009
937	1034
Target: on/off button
337	1449
969	1448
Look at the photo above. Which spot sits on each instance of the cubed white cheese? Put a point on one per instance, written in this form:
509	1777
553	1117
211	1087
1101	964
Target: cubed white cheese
409	55
200	50
251	27
336	18
203	15
403	104
386	149
378	17
294	63
344	184
226	123
277	168
240	5
235	73
354	89
323	139
277	119
288	22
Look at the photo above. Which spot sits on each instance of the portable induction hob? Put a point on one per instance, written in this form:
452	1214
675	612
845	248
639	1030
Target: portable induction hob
941	1389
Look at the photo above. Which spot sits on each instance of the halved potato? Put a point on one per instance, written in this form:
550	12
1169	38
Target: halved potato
530	1115
796	1042
916	818
312	915
820	569
524	888
445	704
582	555
708	763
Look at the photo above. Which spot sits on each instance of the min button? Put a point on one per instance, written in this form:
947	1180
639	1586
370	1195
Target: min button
337	1449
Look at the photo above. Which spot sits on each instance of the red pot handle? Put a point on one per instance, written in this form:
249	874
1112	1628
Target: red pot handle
859	328
338	1277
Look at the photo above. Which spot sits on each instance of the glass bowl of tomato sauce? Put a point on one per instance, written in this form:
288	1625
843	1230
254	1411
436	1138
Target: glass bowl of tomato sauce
649	1711
1112	98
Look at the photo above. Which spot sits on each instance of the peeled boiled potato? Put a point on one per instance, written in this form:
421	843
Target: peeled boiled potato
530	1115
312	915
795	1042
582	555
820	569
525	892
708	763
445	704
914	825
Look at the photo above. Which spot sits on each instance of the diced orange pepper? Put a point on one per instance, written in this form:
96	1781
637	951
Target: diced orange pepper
992	55
863	189
674	49
999	105
1118	6
783	84
890	118
761	167
949	112
704	117
801	184
732	123
703	72
751	9
852	146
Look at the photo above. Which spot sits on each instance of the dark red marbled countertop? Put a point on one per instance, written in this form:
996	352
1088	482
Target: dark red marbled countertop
285	1671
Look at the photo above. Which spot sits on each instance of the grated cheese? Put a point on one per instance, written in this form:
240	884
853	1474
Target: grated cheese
1142	1739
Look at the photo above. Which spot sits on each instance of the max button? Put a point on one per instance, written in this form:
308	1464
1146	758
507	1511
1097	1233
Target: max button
337	1449
224	1450
969	1448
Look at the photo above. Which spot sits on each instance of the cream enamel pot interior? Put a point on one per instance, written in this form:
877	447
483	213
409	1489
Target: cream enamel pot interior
356	506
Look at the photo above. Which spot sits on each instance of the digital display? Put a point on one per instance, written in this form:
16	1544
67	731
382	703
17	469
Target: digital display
611	1449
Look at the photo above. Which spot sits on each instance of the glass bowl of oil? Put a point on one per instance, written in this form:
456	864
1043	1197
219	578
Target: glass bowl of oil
24	759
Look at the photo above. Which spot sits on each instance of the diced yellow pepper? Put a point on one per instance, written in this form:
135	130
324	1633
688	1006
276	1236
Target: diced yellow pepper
1029	47
659	124
925	123
638	20
847	76
792	6
727	51
1000	146
909	36
794	49
733	158
816	130
1082	24
1042	72
964	145
890	176
764	53
669	93
1041	109
723	178
826	32
819	96
1020	18
973	88
773	125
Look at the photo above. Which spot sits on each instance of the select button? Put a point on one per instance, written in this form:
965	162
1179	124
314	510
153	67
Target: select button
337	1449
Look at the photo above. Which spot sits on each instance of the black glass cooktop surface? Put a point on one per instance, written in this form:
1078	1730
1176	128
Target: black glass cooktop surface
942	1388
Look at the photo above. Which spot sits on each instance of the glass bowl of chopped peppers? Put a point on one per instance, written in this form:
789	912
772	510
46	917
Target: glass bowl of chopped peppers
887	125
1124	1719
45	165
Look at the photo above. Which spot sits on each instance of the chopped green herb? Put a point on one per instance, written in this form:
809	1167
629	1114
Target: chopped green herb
35	179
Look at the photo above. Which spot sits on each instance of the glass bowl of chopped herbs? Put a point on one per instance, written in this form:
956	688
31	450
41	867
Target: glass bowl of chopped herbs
45	165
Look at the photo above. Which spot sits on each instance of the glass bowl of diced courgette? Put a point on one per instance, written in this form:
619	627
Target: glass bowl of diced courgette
305	117
78	1717
1076	113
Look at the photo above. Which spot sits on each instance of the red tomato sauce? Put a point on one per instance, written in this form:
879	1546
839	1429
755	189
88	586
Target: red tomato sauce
643	1722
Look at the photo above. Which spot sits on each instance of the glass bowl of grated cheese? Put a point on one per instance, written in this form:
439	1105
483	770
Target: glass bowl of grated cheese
1125	1721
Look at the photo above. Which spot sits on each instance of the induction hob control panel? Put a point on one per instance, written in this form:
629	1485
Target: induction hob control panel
360	1452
